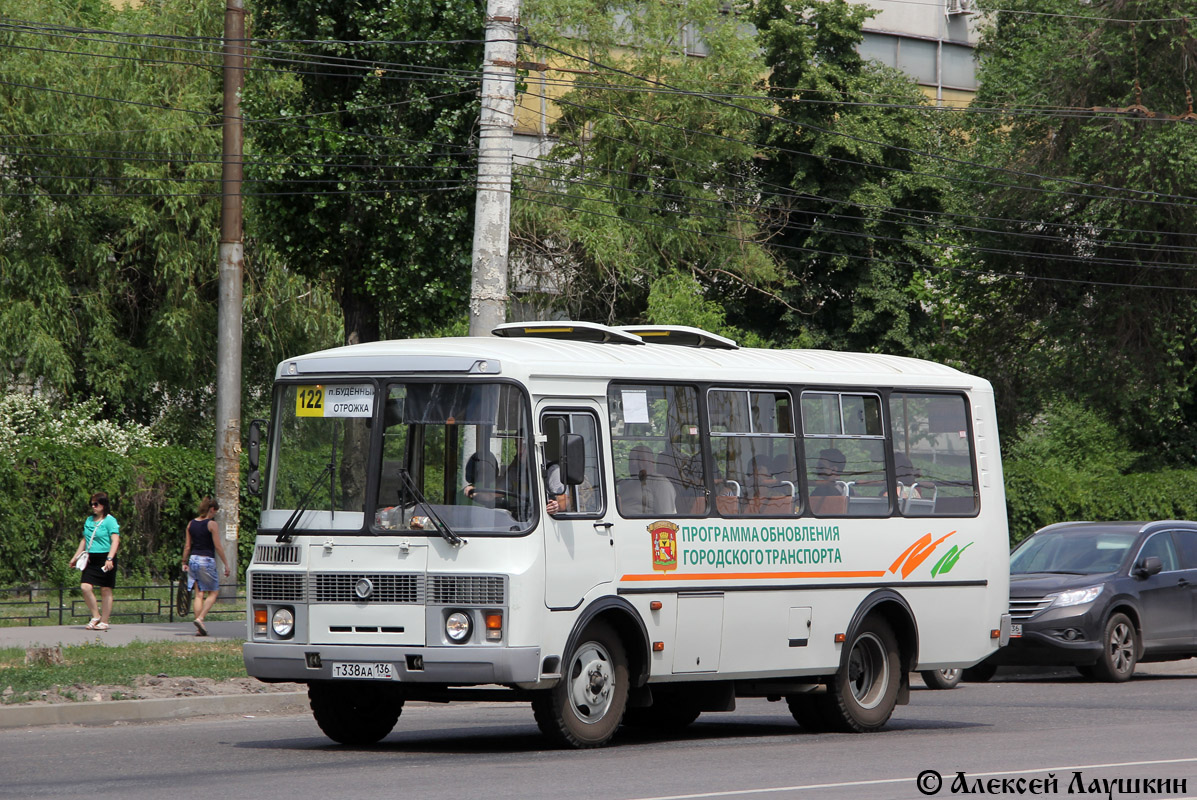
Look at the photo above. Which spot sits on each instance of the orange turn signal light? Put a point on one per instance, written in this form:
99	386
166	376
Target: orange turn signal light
494	622
655	605
840	638
995	634
658	647
260	616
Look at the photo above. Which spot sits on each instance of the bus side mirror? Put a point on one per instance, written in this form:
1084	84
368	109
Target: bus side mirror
573	459
253	482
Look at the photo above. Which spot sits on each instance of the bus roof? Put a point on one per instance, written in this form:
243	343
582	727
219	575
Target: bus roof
530	358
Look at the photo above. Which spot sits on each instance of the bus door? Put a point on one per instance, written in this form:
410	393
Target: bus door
579	550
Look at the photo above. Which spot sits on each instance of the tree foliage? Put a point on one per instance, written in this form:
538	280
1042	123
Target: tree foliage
848	180
109	213
651	174
366	171
1090	180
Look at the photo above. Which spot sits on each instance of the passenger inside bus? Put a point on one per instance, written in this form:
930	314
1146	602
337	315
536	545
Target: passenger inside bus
767	494
645	491
494	487
827	496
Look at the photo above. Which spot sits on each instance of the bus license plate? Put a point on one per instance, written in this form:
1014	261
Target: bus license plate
357	669
1016	630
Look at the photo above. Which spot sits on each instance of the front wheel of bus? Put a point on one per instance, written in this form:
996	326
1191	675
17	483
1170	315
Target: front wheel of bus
585	707
355	713
864	691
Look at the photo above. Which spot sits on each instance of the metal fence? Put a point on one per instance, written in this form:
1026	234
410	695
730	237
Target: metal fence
64	605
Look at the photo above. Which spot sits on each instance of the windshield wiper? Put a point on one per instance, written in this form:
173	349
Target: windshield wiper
441	527
293	520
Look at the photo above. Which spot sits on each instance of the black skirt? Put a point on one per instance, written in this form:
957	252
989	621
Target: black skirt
95	574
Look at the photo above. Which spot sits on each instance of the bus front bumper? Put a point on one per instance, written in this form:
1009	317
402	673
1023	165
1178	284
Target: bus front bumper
459	666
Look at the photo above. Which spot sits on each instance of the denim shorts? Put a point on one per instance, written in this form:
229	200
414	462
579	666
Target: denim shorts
201	571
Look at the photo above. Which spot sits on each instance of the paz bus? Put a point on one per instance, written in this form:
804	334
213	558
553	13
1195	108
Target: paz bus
621	525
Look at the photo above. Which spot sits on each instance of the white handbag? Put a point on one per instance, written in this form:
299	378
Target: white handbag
81	561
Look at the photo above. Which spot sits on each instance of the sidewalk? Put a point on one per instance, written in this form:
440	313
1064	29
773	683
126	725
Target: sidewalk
119	634
106	712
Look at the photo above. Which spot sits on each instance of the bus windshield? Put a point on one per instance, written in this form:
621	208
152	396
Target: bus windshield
456	453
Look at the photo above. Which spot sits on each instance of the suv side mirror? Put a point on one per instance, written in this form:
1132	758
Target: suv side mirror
253	481
573	459
1148	566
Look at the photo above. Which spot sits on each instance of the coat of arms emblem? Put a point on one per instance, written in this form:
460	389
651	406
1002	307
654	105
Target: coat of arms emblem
664	545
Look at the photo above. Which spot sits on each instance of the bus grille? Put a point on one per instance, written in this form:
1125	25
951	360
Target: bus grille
276	554
466	590
277	586
1023	608
339	587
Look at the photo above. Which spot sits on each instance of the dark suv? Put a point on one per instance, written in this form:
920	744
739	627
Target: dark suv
1101	596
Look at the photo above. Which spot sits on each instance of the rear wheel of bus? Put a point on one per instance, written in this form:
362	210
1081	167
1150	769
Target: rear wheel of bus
584	709
355	713
862	695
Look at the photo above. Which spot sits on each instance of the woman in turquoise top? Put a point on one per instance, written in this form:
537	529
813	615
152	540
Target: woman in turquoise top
101	540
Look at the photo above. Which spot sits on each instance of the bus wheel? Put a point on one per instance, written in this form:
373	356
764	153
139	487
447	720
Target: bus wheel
812	711
941	678
864	691
354	714
585	707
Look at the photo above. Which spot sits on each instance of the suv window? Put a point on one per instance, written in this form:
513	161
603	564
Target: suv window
1187	544
1160	545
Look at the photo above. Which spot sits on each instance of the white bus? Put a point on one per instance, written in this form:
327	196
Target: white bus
622	526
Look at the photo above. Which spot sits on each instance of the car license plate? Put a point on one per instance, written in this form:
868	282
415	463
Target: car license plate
1016	630
357	669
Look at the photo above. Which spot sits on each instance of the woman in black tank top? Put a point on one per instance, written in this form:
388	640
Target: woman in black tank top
200	551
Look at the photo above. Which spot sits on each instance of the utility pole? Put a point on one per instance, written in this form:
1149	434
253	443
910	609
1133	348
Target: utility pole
492	214
232	261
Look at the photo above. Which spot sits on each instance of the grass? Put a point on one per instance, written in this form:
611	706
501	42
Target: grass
98	664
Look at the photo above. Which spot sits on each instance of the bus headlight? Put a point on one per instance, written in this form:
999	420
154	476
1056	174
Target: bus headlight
283	623
457	626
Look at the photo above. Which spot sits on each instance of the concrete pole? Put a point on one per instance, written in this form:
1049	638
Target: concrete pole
228	334
492	216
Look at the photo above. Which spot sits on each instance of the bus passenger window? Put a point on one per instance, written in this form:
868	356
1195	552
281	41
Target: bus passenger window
844	444
752	443
933	455
656	450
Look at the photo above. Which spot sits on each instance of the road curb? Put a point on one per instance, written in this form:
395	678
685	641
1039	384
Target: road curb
109	711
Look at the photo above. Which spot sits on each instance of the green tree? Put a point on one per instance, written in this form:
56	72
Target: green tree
366	158
847	182
651	175
109	214
1088	179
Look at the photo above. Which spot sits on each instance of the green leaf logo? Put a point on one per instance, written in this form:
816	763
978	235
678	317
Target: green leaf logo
945	564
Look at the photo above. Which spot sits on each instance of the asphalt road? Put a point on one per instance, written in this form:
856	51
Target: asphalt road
1030	728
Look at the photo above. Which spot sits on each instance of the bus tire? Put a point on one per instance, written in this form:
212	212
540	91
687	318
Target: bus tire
941	678
586	706
354	713
812	711
864	691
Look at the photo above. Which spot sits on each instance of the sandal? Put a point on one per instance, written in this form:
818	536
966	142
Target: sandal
101	626
200	630
91	626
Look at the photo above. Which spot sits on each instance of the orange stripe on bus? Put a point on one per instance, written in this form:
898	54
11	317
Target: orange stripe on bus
710	576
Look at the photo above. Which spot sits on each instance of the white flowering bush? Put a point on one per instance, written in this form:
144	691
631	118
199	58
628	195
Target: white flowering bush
25	416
